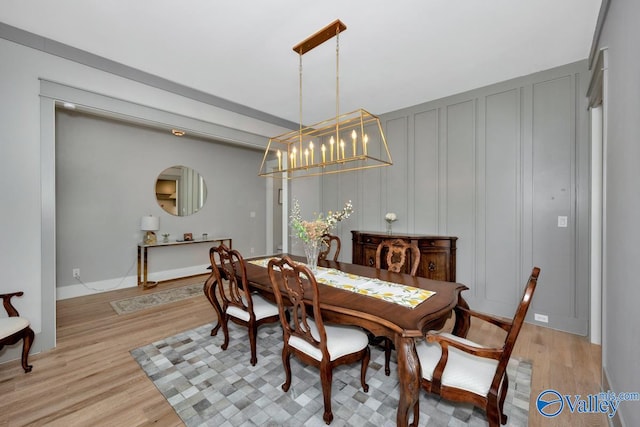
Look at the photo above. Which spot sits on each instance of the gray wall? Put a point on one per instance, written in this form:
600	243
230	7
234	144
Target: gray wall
495	167
27	158
105	181
621	292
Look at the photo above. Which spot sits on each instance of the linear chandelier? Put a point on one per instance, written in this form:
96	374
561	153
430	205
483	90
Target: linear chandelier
346	142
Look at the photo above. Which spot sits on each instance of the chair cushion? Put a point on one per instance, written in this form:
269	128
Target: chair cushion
261	307
463	370
341	340
11	325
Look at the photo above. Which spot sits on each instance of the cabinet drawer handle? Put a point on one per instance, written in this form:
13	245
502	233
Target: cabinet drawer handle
371	262
432	266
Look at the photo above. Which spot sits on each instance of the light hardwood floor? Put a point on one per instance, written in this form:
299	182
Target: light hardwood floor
90	379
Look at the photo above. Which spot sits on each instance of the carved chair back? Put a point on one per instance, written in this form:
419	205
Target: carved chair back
396	255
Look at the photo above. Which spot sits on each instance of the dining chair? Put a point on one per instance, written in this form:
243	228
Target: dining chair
239	304
461	370
306	335
15	328
330	241
397	254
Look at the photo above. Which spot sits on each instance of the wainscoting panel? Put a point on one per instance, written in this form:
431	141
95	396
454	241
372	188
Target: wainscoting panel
500	174
495	167
425	166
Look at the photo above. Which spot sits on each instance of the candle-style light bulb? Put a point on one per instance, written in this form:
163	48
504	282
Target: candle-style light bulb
342	147
311	149
293	155
279	154
323	149
331	142
365	140
354	137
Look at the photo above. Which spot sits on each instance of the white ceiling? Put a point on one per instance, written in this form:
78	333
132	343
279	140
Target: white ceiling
393	54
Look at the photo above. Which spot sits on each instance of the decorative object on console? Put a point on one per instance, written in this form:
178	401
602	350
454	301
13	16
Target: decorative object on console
188	237
347	142
149	224
311	233
165	237
390	217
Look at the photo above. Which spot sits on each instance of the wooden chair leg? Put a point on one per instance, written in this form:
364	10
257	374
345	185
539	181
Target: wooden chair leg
503	395
286	362
326	377
225	331
363	370
253	332
493	413
26	346
387	356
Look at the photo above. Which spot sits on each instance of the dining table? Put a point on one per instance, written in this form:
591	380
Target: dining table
378	314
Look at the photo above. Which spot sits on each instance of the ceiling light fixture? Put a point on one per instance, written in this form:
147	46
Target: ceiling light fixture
347	142
177	132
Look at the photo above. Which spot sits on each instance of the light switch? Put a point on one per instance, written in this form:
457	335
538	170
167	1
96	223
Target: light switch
562	221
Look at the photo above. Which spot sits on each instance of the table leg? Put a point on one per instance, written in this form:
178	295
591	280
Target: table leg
139	266
463	320
409	377
210	292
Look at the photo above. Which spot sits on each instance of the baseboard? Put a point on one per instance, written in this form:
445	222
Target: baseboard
91	288
617	420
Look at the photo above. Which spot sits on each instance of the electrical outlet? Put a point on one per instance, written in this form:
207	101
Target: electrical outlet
76	273
562	221
252	250
541	318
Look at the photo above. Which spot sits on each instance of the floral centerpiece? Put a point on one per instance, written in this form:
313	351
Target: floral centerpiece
390	217
311	232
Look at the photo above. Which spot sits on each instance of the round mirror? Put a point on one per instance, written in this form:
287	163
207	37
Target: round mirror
180	191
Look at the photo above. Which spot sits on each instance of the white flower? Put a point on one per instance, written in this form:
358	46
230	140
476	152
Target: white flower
390	217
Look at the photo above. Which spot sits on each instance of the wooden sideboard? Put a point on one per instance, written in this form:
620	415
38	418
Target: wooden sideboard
437	253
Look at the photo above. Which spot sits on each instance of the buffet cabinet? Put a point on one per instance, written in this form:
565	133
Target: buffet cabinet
437	253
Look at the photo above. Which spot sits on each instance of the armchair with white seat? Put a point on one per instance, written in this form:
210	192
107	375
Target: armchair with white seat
15	328
461	370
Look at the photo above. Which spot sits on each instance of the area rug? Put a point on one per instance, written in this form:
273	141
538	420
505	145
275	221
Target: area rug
210	387
140	302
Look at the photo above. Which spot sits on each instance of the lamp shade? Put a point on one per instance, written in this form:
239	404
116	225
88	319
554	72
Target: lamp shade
150	223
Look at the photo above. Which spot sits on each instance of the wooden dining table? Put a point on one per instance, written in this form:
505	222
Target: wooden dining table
382	318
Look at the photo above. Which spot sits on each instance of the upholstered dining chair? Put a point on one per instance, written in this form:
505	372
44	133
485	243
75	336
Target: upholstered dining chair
463	371
239	304
330	242
306	335
15	328
397	251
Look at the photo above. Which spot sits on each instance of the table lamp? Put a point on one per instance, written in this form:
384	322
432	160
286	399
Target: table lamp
150	224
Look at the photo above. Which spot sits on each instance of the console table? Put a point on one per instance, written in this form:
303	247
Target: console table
437	253
143	255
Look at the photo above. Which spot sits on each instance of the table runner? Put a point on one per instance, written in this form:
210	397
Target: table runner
407	296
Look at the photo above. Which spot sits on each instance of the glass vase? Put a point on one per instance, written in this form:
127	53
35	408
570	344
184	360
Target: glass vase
311	250
389	228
